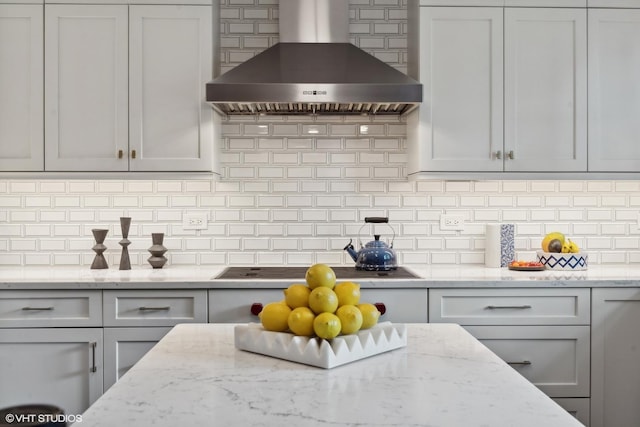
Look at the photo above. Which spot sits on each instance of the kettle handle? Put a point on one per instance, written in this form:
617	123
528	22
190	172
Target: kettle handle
377	219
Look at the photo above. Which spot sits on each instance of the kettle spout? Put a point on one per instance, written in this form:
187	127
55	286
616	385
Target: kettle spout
351	251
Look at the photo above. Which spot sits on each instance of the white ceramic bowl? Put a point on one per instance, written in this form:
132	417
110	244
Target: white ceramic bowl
566	262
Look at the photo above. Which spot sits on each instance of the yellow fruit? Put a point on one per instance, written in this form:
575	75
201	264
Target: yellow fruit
566	247
326	325
320	275
323	300
350	319
275	317
348	293
573	247
370	315
301	321
546	242
297	295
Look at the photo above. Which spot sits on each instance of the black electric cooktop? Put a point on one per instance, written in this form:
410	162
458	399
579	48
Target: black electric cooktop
342	273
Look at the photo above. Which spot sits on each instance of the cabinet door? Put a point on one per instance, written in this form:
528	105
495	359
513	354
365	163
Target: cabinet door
614	93
171	126
554	358
21	68
123	347
61	367
545	90
458	127
86	87
615	389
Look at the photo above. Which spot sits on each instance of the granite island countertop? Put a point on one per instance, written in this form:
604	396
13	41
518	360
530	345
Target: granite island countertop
443	377
454	276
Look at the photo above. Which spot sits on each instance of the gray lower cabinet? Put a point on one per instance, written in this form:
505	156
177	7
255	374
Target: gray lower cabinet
615	350
135	320
543	333
51	348
56	366
123	347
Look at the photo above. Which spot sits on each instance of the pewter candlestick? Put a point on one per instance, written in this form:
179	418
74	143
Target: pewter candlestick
157	260
99	262
125	262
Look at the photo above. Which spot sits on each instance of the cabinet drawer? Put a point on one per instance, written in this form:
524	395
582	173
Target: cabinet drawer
578	407
154	308
32	309
554	358
510	306
234	305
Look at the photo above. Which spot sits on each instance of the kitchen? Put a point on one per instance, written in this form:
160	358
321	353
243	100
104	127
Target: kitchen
295	189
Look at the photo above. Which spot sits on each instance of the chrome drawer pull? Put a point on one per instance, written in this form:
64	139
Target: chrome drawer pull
93	345
501	307
37	308
524	362
165	308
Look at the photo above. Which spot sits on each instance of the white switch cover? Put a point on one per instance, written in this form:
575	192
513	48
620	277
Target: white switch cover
194	221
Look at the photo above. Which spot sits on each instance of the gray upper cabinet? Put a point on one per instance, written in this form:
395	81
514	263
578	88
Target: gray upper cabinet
124	88
86	87
545	83
170	126
21	68
459	125
464	65
614	93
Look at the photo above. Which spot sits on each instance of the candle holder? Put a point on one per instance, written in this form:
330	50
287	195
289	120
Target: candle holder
125	262
157	251
99	262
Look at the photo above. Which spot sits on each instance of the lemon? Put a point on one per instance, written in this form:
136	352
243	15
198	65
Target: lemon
348	293
275	316
350	319
320	275
370	315
297	295
326	325
301	321
323	300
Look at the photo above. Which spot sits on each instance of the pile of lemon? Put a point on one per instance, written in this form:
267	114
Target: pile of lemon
320	307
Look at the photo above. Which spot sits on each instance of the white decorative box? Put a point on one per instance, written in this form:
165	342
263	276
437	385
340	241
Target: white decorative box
560	261
314	351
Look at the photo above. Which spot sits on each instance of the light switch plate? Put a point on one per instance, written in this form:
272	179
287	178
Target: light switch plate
195	221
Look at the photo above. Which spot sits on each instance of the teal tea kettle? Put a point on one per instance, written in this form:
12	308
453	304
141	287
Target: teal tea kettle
376	255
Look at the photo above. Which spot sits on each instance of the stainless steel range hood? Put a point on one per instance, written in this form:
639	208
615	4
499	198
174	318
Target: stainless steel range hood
314	70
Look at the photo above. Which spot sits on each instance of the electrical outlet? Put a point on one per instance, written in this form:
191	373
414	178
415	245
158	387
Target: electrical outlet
451	222
194	221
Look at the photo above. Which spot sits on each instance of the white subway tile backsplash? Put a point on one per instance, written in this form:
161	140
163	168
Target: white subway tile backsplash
52	187
53	216
600	186
543	215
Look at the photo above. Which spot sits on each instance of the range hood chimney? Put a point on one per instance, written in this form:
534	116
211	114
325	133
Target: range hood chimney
314	70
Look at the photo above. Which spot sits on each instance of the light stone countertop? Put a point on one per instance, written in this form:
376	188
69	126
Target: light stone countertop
454	276
444	377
